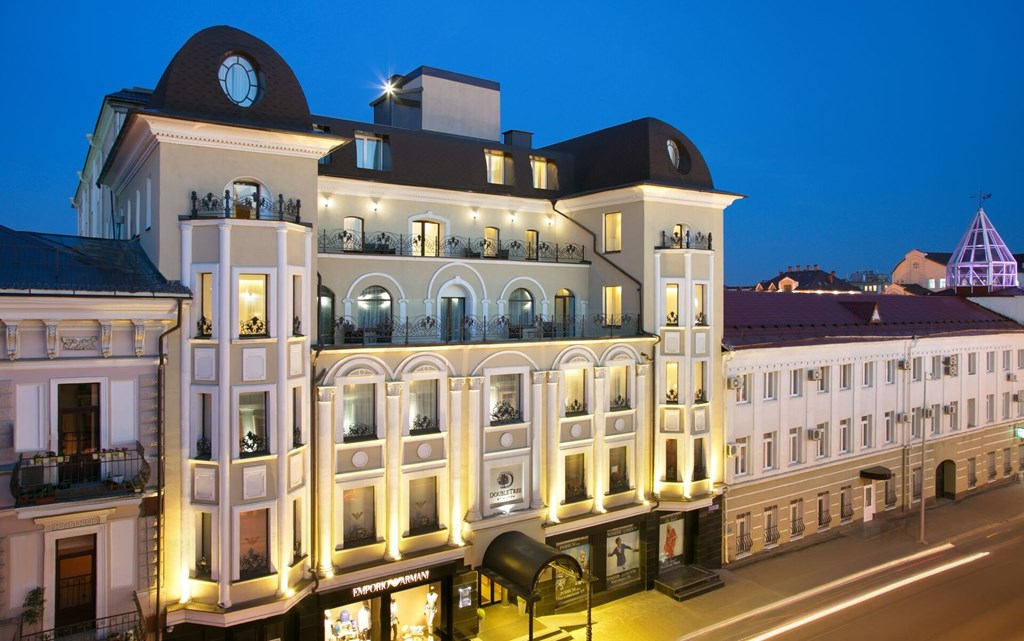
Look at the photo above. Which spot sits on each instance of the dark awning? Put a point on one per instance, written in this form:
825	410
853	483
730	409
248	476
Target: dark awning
876	473
515	561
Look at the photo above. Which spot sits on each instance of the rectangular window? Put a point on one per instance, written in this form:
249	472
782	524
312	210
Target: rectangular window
845	376
492	242
916	368
990	407
740	461
1020	359
991	466
204	326
499	167
423	414
824	511
204	438
972	413
359	411
868	374
545	173
867	431
700	466
324	160
768	451
890	427
823	382
253	544
423	505
575	477
532	241
936	418
204	544
916	482
252	423
618	472
796	518
821	444
372	152
972	363
972	472
990	361
771	526
771	386
796	382
1007	462
672	382
672	460
618	388
846	503
743	391
612	306
744	542
890	494
1006	405
297	296
297	522
845	437
795	448
915	422
700	314
575	392
359	521
252	305
613	232
506	400
954	410
672	305
890	371
936	367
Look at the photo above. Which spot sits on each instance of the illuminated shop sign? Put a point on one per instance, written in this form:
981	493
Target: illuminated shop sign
506	485
390	584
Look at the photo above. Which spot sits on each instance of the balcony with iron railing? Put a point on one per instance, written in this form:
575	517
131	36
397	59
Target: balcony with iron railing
744	543
890	498
824	519
771	535
846	511
245	208
685	240
796	527
432	330
386	243
129	626
47	477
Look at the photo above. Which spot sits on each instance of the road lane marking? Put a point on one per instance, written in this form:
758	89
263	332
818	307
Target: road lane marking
818	590
849	603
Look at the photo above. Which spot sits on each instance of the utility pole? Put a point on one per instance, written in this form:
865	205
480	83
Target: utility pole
924	433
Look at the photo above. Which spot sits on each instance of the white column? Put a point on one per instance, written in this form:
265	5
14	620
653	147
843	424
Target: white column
187	549
393	469
474	426
640	431
325	478
600	474
283	296
553	463
537	438
455	454
225	428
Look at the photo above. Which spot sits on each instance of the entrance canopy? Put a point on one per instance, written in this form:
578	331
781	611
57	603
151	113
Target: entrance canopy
876	473
515	561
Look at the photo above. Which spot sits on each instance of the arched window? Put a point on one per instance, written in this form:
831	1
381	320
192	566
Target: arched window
520	307
374	307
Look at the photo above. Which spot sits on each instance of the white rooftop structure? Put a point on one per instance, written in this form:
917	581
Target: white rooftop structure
981	258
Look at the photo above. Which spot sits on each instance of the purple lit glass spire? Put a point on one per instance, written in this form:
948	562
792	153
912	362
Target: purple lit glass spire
981	258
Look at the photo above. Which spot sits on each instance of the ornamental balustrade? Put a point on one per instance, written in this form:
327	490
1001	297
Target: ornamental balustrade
48	476
245	208
386	243
686	240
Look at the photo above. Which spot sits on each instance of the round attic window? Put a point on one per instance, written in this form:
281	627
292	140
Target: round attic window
673	152
239	80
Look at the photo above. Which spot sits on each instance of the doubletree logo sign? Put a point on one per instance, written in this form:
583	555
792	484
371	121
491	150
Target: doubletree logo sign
508	491
505	479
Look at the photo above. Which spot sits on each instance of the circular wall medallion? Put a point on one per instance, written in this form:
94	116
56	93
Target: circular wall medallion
424	450
360	459
576	430
239	80
673	152
507	439
620	424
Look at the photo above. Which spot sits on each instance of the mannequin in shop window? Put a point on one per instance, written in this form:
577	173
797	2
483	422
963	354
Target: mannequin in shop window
430	610
394	619
363	618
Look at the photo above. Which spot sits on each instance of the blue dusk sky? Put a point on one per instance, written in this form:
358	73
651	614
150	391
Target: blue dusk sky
857	130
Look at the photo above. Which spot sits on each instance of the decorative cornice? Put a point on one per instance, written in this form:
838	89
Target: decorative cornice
105	334
366	189
554	377
456	384
326	394
51	339
538	377
218	136
11	329
649	193
140	335
476	383
75	344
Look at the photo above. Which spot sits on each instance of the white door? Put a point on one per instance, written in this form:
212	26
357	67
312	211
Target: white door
869	501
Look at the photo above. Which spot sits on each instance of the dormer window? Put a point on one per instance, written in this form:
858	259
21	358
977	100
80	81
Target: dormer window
240	81
545	173
372	152
499	167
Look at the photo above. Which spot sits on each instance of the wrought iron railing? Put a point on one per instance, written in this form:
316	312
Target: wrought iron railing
248	207
47	477
890	498
797	527
744	543
824	519
204	448
846	511
618	403
346	241
686	240
1007	469
699	474
348	332
422	424
359	432
771	535
504	412
575	491
575	407
119	627
972	480
991	473
253	444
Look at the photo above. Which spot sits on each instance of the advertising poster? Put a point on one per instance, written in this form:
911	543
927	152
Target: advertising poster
670	541
623	565
567	588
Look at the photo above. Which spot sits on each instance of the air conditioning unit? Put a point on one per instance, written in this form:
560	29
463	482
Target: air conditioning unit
1010	376
814	374
951	365
926	412
948	409
735	382
901	417
1018	397
904	364
815	434
732	450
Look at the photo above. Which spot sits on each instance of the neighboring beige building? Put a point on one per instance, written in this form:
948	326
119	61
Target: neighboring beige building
926	269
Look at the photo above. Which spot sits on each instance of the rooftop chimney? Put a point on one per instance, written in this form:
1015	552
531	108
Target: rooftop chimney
815	266
516	138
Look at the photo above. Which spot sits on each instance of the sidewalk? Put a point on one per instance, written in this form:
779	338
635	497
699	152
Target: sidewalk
652	616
